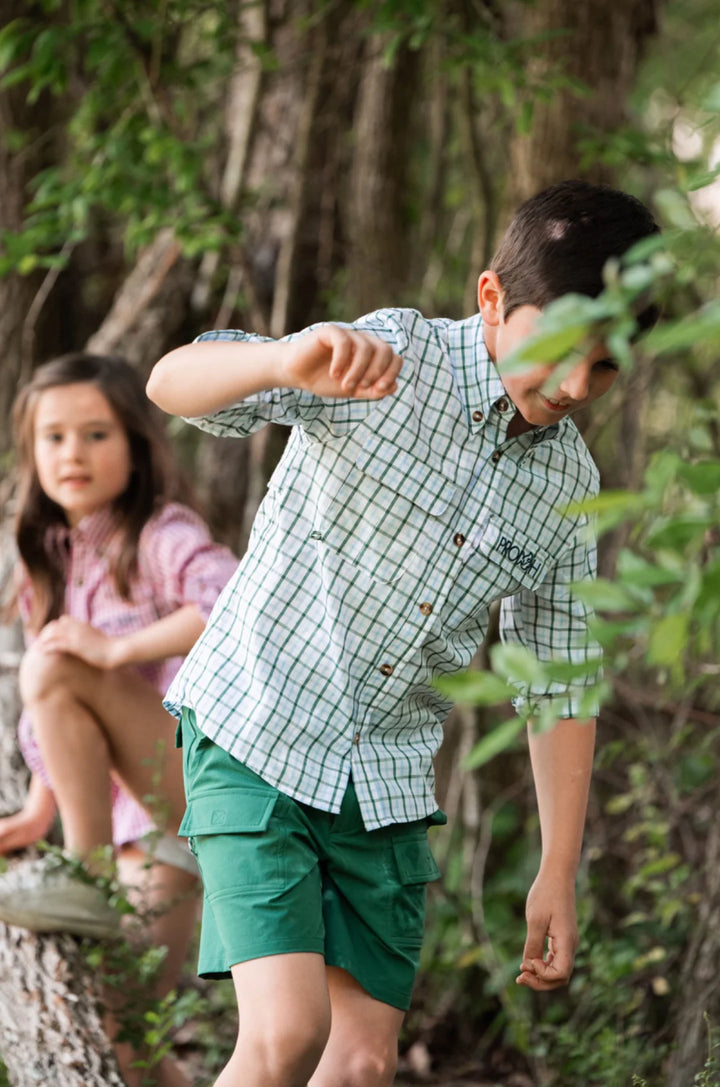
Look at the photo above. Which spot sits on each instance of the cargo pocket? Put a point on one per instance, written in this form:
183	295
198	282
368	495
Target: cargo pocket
415	867
231	835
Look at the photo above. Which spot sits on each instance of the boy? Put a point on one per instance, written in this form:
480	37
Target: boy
417	487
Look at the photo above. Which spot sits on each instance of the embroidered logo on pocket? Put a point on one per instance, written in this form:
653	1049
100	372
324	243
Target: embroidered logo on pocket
518	556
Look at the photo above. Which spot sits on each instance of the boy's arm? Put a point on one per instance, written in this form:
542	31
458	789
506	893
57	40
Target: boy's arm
562	765
330	361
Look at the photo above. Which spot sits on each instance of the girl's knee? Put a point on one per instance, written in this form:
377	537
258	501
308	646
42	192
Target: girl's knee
42	674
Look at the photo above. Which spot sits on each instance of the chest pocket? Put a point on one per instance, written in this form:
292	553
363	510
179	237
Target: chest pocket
386	514
495	561
508	557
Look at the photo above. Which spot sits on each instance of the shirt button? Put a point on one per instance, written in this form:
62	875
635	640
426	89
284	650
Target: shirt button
477	416
356	739
386	669
458	539
79	582
496	456
426	607
503	404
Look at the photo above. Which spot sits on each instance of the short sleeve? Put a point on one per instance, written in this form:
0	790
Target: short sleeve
322	418
181	562
553	623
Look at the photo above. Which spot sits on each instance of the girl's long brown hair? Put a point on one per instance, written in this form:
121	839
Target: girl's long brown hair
155	477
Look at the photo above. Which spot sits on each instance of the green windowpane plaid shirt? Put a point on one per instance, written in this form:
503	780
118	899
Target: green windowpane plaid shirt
388	529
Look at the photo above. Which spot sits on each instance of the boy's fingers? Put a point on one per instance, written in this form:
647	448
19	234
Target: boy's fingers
362	357
383	363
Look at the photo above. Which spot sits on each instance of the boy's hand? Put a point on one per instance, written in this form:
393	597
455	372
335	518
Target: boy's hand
550	913
340	362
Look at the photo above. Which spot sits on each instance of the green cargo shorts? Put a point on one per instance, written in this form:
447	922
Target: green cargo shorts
280	876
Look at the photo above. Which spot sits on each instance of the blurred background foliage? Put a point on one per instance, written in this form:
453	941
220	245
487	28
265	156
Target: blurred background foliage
174	165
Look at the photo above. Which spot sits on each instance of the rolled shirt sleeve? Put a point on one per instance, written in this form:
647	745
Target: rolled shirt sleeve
321	417
553	624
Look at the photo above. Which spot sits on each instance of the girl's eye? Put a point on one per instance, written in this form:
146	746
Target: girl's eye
97	435
607	364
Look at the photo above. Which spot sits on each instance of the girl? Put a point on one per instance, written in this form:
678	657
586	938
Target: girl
116	581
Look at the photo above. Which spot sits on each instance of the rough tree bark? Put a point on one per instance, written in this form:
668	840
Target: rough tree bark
51	1028
597	43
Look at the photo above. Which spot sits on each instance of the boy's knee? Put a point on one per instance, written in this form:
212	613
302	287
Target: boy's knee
287	1054
364	1066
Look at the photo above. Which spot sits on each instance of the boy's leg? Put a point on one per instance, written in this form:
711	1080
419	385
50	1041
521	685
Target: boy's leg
362	1048
284	1014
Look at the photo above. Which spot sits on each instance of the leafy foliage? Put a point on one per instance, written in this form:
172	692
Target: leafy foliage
135	88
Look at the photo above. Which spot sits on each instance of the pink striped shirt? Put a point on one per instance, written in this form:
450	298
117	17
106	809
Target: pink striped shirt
178	564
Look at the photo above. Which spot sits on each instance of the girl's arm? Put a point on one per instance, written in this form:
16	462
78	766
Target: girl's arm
204	377
32	822
562	761
172	636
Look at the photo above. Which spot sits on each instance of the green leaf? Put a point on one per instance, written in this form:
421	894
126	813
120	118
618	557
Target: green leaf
605	502
475	688
668	639
637	571
702	478
501	737
703	326
605	595
517	664
677	533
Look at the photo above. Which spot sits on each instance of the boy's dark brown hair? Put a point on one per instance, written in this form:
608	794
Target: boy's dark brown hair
155	477
559	241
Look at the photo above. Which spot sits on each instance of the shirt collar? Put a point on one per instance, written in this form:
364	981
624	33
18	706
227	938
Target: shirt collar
481	389
478	381
94	530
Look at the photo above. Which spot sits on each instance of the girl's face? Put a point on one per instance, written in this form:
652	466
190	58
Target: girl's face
81	449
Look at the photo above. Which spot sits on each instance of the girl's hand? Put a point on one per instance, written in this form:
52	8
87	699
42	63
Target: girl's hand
341	362
19	831
68	635
32	822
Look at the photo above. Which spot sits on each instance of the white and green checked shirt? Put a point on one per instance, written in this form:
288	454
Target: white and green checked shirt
388	529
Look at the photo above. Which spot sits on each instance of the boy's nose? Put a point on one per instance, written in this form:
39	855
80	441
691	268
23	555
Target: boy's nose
576	384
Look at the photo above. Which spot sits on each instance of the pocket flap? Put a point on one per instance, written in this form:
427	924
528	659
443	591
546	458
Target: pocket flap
411	474
227	813
414	859
502	544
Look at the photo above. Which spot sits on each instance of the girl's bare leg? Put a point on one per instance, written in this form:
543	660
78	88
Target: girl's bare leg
88	721
168	897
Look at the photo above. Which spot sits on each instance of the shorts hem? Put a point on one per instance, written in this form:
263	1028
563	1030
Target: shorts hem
394	997
238	957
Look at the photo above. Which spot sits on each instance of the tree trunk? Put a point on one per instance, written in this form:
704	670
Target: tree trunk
598	44
51	1027
379	257
698	1000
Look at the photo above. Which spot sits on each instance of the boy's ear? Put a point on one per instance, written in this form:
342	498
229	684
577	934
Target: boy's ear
490	296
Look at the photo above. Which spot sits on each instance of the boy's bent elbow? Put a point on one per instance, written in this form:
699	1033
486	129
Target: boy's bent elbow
160	384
